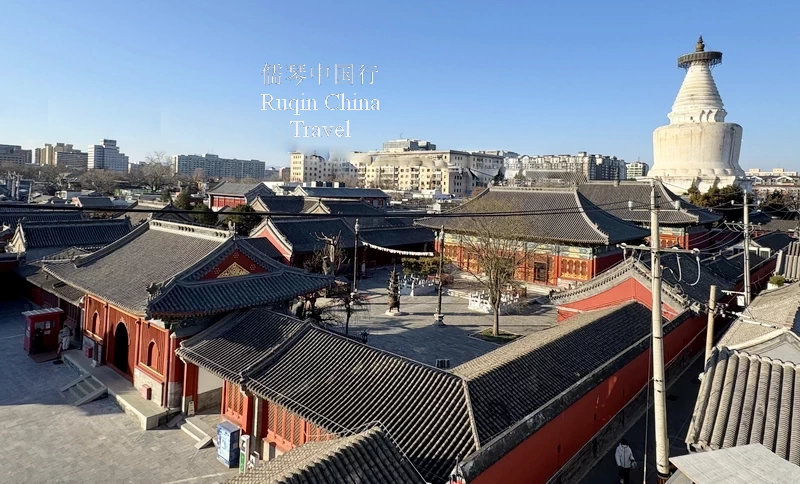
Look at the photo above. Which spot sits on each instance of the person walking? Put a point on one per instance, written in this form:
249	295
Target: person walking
625	460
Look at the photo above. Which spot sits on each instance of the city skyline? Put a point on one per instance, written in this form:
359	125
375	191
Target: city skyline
521	79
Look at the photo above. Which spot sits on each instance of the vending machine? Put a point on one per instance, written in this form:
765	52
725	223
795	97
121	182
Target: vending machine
228	444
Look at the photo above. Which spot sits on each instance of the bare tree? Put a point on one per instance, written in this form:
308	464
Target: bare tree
493	255
156	169
199	175
101	181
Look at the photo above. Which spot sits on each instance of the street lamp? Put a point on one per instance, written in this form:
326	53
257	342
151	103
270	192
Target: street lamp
439	316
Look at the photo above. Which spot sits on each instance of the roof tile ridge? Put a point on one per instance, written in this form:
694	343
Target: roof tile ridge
262	363
580	201
82	260
473	425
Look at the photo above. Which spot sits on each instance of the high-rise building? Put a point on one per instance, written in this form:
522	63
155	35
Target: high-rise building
401	145
591	167
47	155
14	154
72	160
107	157
213	166
637	169
315	168
698	147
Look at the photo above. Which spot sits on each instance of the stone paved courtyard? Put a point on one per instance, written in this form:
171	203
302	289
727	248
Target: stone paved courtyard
46	440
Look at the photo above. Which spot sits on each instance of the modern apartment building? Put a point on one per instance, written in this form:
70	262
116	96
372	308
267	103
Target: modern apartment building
637	169
401	145
315	168
592	167
213	166
774	172
15	155
47	155
71	160
106	156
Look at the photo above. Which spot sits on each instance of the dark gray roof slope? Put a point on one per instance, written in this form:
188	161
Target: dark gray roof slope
779	225
564	215
12	217
545	364
303	233
282	204
77	233
331	192
240	189
237	342
342	385
95	202
369	457
775	241
349	208
55	287
681	272
262	245
152	253
396	236
614	196
747	399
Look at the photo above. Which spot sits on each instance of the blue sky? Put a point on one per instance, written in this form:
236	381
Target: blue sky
533	77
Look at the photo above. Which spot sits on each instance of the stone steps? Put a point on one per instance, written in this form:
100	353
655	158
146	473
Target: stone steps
82	390
199	431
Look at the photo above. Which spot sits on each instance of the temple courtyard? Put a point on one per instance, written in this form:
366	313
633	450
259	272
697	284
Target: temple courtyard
47	440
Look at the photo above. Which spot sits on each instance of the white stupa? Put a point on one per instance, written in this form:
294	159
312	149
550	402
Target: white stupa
698	146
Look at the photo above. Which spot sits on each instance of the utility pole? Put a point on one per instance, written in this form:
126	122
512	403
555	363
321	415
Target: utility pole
712	304
746	251
657	344
355	259
439	316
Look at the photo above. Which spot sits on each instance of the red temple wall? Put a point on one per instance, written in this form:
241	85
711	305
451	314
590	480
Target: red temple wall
628	290
557	441
218	201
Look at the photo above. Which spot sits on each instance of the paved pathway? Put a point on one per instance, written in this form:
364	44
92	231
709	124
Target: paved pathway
46	440
681	397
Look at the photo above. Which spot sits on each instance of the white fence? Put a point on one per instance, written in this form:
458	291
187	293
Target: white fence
413	286
479	301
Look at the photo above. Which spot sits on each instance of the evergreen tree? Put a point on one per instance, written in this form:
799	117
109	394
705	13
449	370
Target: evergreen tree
245	219
204	215
183	201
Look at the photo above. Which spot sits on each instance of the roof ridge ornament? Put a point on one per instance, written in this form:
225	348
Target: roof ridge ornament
700	46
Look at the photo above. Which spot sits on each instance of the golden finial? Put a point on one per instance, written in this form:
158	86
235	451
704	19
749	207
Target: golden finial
700	47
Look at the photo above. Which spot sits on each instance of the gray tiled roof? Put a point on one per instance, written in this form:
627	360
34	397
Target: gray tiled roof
779	225
773	309
152	253
12	217
564	216
350	208
397	236
681	272
302	233
194	298
521	378
614	196
775	241
747	399
341	385
790	265
369	457
95	202
746	464
55	287
262	245
331	192
240	340
282	204
77	233
240	189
